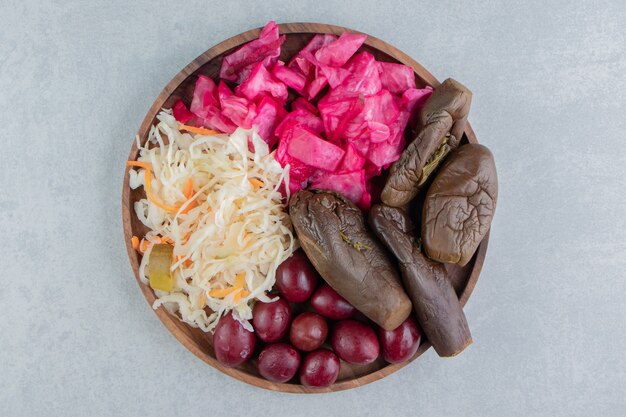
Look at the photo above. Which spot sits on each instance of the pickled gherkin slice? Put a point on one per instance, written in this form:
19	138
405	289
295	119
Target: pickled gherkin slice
159	265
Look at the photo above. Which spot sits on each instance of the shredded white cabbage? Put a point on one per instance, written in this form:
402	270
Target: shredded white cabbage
237	225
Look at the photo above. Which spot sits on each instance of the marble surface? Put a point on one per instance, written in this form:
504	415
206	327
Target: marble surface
76	336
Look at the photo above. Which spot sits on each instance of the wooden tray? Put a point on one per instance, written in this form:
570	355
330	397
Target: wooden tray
200	343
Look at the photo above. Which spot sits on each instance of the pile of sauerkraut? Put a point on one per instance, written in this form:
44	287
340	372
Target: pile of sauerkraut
229	235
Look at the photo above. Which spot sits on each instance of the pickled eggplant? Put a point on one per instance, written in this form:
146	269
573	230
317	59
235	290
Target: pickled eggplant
333	234
459	205
441	123
436	305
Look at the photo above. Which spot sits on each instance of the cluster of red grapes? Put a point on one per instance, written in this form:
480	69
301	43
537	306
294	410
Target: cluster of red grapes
300	345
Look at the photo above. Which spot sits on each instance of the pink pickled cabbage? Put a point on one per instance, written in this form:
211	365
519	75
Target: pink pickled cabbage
238	65
337	53
315	86
336	114
371	170
413	99
313	150
385	153
289	77
205	98
268	114
302	103
346	124
304	66
205	105
364	76
304	63
352	160
181	113
396	78
261	81
334	76
379	111
215	120
299	172
327	56
350	184
238	109
300	117
318	41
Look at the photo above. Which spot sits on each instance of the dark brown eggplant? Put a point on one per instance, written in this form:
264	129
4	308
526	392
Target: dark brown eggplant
436	305
459	205
333	234
441	123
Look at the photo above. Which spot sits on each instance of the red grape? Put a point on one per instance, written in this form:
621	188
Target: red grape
401	343
271	320
319	369
278	362
296	278
355	342
331	305
308	331
232	343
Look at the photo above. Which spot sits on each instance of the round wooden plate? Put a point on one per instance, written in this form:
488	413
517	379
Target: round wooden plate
200	343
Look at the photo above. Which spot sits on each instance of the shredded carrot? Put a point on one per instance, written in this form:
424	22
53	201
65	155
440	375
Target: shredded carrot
240	294
185	238
187	262
189	206
198	130
237	288
143	246
135	242
188	191
221	292
144	165
188	188
148	188
256	182
240	280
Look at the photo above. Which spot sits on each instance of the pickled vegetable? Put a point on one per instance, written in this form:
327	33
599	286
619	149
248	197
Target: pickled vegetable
159	265
355	342
296	278
442	121
460	205
271	320
233	344
436	304
319	369
331	305
401	343
278	362
308	331
333	234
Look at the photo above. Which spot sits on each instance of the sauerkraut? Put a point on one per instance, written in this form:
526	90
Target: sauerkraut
220	205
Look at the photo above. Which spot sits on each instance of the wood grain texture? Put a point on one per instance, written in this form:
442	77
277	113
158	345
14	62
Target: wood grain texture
181	87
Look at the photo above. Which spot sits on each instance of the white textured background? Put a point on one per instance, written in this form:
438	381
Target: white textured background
548	315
